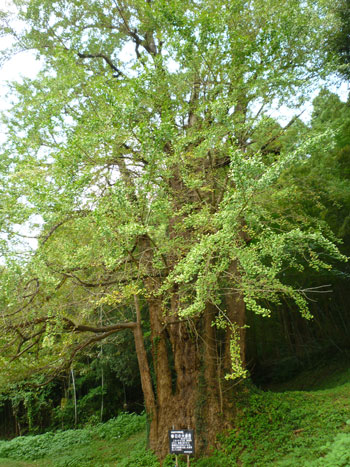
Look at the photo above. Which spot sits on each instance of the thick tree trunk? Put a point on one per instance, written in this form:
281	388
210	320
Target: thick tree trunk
176	406
189	392
145	374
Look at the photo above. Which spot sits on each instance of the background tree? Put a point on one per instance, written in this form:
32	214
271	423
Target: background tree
146	150
340	40
286	343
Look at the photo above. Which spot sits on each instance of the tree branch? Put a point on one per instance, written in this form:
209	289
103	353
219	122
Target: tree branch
100	329
105	58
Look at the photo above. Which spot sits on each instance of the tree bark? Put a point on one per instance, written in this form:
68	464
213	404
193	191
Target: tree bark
194	399
145	373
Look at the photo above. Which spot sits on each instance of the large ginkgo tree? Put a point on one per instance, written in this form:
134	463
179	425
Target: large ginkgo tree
143	159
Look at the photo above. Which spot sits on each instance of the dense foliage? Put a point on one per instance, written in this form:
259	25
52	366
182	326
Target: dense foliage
341	39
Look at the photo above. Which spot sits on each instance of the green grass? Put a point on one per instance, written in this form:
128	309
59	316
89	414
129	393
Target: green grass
292	428
284	428
120	441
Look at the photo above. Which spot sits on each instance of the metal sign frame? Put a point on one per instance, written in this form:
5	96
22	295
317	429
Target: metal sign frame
181	442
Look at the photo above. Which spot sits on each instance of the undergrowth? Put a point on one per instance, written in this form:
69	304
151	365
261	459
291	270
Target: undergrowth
285	429
79	448
308	428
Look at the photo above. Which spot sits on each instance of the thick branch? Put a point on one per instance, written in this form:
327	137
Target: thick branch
147	43
105	58
98	329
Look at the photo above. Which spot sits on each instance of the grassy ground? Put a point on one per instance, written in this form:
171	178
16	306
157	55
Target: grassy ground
98	453
121	442
284	426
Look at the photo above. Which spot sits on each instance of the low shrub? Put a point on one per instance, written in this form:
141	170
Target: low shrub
123	426
39	446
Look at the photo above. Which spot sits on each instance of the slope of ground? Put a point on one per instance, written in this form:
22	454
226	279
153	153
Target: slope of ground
281	427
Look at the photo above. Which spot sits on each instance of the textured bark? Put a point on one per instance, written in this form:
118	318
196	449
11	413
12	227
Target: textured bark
176	406
145	374
195	399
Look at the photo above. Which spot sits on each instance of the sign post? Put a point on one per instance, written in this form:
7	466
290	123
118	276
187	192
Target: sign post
181	442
